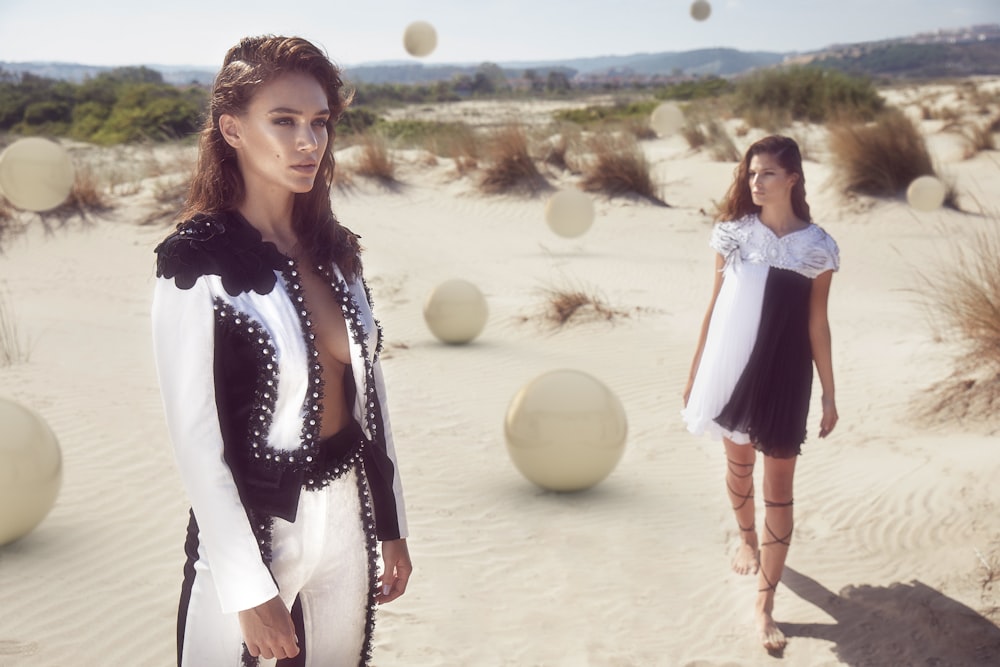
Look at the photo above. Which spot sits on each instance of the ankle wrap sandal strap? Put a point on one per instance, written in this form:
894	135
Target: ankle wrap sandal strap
785	541
771	585
730	463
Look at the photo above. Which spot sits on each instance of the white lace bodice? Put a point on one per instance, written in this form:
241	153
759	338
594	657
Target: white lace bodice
809	251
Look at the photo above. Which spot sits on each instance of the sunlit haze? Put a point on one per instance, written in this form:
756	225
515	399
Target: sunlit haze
190	32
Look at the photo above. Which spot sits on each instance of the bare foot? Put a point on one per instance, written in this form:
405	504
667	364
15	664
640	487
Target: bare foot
771	637
746	559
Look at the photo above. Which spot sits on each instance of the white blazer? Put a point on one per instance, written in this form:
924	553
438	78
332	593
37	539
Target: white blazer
228	320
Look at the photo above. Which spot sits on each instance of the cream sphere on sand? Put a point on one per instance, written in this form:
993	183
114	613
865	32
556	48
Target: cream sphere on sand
455	311
565	430
569	213
667	119
701	10
36	174
30	470
926	193
420	39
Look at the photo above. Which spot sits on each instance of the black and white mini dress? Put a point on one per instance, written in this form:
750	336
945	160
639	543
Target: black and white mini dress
754	378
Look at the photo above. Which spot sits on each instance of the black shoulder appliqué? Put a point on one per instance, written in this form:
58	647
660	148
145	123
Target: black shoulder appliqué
224	245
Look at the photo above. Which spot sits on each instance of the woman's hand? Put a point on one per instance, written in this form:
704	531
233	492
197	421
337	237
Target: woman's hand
396	558
830	417
268	630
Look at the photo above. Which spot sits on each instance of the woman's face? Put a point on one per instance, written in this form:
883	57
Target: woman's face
769	182
282	136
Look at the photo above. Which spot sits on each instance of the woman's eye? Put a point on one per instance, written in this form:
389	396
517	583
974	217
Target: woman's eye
282	121
319	122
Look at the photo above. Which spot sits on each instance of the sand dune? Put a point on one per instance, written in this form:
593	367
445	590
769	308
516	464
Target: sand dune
892	513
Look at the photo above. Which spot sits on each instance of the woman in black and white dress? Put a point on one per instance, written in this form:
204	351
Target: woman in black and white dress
765	328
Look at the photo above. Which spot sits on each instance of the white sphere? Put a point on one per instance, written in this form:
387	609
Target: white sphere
667	119
926	193
569	213
36	174
565	430
456	311
420	39
700	10
30	470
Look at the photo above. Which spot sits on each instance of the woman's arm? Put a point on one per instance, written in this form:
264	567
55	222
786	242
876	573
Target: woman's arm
720	262
819	338
183	343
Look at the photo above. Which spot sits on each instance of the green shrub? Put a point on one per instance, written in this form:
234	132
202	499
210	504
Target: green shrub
603	115
356	120
811	94
698	89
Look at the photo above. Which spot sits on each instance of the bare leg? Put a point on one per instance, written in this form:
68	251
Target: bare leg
775	540
739	484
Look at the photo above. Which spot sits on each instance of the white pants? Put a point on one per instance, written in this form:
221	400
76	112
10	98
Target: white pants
323	563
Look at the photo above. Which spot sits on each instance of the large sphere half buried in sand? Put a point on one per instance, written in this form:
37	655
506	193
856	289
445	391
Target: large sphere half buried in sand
926	193
565	430
456	311
420	39
667	119
36	174
30	470
700	10
569	213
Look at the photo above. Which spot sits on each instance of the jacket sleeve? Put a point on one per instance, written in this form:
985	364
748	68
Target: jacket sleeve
401	529
183	341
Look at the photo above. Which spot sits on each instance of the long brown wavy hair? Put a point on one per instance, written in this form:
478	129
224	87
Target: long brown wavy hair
738	202
217	184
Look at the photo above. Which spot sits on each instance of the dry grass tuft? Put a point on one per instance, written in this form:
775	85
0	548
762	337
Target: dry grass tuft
169	195
694	134
86	197
879	159
618	168
564	305
11	349
554	150
6	212
640	128
375	160
979	138
710	134
964	302
509	164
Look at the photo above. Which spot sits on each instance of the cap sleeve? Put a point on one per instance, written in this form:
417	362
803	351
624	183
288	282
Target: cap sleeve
831	254
724	240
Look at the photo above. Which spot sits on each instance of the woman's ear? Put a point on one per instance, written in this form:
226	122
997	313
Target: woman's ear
229	126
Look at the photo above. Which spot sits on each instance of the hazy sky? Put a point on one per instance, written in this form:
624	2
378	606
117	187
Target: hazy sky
198	32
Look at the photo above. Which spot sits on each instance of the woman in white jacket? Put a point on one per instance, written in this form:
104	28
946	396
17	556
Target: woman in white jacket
267	353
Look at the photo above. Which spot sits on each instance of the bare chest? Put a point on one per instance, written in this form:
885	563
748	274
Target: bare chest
327	319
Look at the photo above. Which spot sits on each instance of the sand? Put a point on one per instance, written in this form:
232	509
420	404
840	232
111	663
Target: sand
897	530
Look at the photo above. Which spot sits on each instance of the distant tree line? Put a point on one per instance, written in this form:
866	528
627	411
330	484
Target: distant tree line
132	104
123	105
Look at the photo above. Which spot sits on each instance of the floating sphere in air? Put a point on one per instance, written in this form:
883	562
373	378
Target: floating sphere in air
569	213
700	10
30	470
456	311
926	193
565	430
420	39
667	119
36	174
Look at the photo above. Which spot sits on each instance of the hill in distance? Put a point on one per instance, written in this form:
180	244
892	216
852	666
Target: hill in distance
960	52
